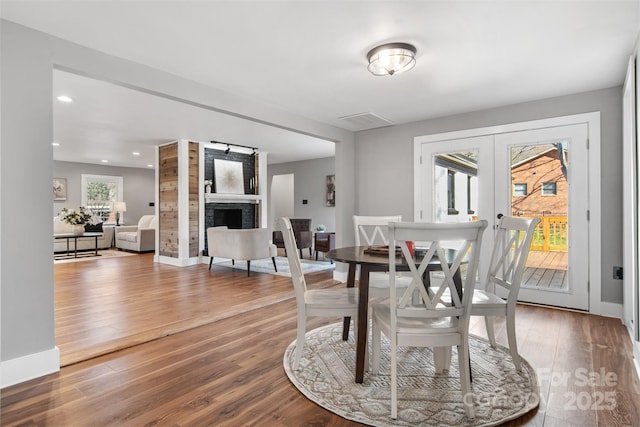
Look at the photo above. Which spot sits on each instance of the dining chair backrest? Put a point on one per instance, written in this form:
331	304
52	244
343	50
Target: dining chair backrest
295	267
443	300
509	255
372	230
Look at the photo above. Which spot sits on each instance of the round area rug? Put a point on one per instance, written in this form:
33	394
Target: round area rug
326	376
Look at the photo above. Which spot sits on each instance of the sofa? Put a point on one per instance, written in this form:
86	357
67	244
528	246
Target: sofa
60	245
302	233
137	238
240	244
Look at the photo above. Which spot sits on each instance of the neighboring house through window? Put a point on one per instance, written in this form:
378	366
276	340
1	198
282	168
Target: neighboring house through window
99	192
549	189
519	189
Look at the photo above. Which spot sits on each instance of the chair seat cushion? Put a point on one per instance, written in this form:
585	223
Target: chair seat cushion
127	237
381	280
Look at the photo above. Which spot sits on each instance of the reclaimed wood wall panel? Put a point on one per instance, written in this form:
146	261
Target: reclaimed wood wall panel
168	200
194	195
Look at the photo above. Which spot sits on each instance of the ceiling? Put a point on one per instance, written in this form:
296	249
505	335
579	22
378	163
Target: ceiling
309	58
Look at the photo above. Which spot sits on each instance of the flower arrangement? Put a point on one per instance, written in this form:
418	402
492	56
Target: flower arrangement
208	182
80	216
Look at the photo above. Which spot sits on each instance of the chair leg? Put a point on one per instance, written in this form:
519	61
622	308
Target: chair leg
441	359
210	262
248	268
299	341
275	267
394	380
301	257
375	352
513	344
488	321
465	380
310	253
316	255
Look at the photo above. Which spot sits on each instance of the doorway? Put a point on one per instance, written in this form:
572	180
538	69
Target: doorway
539	172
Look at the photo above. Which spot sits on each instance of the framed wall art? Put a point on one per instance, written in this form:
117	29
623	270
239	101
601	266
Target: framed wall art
229	177
59	189
331	190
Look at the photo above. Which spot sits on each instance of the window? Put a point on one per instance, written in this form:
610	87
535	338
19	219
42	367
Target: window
99	192
519	189
451	192
549	189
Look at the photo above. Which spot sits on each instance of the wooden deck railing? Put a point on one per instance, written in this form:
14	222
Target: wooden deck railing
551	234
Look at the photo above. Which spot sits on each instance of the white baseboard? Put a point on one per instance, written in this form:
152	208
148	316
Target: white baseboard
178	262
609	309
28	367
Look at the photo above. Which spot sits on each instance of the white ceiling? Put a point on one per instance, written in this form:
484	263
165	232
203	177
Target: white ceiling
309	58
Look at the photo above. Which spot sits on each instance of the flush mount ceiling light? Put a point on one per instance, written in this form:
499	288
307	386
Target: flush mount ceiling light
391	58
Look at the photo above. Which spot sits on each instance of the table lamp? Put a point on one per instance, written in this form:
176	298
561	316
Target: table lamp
119	207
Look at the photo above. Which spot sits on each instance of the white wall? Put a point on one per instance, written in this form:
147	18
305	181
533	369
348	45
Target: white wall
393	148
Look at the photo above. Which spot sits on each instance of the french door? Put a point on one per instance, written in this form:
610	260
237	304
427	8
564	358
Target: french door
536	173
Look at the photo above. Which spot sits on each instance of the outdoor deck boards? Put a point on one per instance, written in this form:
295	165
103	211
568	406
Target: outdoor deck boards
546	270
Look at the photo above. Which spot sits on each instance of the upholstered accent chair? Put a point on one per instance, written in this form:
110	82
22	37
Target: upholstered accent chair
138	238
240	244
302	232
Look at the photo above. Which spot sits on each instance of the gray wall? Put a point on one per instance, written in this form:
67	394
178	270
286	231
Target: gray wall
26	269
310	184
26	170
391	150
139	185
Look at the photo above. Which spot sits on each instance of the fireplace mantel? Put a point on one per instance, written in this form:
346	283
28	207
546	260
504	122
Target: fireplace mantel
232	198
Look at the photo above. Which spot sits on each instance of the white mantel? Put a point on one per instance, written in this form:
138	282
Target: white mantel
232	198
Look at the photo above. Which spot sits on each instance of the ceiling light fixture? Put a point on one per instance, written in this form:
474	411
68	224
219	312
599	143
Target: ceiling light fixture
391	58
65	98
55	144
136	153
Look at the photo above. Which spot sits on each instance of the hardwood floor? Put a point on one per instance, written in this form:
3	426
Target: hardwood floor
229	372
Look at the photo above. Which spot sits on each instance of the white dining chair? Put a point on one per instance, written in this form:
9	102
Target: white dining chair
498	294
427	322
371	231
340	302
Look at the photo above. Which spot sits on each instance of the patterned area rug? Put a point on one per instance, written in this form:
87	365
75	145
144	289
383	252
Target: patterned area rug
424	398
266	266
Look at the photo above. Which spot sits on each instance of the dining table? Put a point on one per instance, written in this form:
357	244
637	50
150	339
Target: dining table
372	261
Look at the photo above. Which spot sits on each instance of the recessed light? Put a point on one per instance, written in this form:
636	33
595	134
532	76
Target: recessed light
55	144
149	166
135	153
104	161
65	98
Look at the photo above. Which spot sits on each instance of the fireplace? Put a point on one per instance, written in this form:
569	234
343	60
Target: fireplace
233	215
232	218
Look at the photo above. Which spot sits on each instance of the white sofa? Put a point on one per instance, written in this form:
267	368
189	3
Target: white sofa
60	245
138	238
240	244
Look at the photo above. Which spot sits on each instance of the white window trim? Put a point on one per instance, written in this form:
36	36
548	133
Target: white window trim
86	178
592	119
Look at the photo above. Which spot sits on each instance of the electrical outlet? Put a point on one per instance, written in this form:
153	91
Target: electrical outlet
617	273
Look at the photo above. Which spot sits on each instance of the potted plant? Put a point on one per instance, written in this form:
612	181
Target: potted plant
78	218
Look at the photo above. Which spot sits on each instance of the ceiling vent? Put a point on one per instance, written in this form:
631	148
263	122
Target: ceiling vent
364	121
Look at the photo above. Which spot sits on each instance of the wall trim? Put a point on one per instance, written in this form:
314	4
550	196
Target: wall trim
610	309
28	367
592	119
177	262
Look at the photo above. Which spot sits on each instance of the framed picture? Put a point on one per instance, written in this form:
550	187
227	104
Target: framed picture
229	177
59	189
331	190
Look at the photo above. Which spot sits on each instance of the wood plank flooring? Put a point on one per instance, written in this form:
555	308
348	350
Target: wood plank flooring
229	372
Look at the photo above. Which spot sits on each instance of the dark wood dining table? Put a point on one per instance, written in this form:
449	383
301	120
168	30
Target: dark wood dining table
355	256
